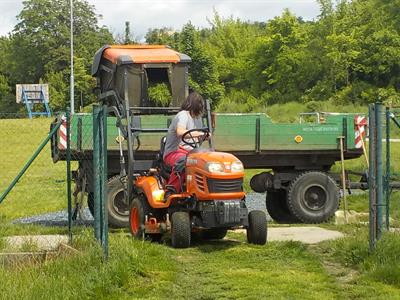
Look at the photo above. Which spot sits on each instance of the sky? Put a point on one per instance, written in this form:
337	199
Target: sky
145	14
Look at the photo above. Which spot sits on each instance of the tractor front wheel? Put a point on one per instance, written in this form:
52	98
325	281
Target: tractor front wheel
257	229
180	230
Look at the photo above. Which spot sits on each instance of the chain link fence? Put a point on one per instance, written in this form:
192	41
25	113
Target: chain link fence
34	214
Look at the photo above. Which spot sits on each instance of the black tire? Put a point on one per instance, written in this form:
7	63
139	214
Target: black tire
214	233
137	216
180	230
277	207
90	203
142	208
118	211
313	197
257	229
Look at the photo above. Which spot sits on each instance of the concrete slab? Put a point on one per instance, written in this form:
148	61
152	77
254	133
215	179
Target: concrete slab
36	242
306	234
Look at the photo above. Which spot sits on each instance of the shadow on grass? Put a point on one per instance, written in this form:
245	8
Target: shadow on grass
208	246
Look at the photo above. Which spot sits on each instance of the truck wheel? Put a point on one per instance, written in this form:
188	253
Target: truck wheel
214	233
278	209
313	197
257	229
118	211
90	203
180	230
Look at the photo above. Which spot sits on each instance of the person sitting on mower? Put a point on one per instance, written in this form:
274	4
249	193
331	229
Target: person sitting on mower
190	117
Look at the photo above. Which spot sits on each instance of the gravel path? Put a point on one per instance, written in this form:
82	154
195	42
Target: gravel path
60	218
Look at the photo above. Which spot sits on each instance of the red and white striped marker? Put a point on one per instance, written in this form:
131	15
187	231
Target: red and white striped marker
360	123
62	133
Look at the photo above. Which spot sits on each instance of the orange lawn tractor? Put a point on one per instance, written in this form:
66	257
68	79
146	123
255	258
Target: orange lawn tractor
212	201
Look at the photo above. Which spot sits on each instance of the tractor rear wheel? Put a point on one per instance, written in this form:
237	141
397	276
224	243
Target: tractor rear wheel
214	233
180	230
257	229
137	218
278	209
313	197
137	215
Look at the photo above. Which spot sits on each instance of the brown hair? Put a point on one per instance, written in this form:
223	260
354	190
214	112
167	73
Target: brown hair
194	103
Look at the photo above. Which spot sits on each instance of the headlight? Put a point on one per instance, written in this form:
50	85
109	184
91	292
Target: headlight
213	167
237	166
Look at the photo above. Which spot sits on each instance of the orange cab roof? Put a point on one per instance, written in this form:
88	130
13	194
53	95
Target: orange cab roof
137	54
142	53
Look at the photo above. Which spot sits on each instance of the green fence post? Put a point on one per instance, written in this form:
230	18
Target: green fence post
372	177
379	168
96	179
69	195
388	172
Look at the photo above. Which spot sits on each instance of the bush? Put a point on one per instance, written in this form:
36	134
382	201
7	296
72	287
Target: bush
160	93
239	101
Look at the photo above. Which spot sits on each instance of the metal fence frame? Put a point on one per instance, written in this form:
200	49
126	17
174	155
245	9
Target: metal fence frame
380	179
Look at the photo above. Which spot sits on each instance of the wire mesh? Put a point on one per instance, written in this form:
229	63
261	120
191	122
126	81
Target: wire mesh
33	215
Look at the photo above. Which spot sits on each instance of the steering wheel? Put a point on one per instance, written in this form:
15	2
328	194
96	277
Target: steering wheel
195	142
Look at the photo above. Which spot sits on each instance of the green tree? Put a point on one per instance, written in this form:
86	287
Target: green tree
282	65
162	36
203	73
229	43
7	99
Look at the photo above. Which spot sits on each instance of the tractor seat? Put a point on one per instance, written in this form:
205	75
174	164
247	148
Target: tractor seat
165	170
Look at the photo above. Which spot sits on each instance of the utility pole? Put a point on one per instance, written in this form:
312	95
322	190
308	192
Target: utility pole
72	83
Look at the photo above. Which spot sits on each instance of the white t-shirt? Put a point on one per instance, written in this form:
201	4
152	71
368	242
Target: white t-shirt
182	119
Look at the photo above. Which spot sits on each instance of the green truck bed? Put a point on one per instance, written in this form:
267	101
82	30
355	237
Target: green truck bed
253	137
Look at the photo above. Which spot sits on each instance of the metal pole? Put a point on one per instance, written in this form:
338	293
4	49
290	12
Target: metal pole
72	82
130	139
387	176
209	124
29	162
104	182
343	178
379	168
363	147
371	177
96	173
69	195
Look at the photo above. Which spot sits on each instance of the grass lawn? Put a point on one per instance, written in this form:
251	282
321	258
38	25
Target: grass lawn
228	269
